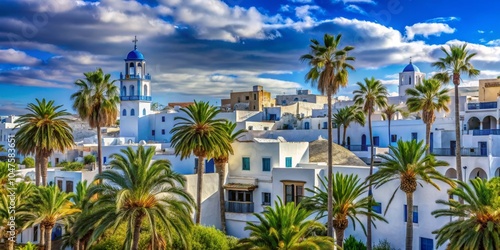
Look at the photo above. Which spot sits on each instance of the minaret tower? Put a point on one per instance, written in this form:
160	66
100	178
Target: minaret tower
410	76
135	96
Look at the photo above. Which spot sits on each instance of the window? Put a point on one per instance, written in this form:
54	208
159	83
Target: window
247	98
163	131
409	79
294	191
377	208
132	90
325	125
239	201
69	186
163	119
255	96
124	91
60	184
394	138
124	112
250	127
288	162
266	199
153	132
143	111
415	214
132	112
414	136
246	163
266	164
35	233
426	244
266	128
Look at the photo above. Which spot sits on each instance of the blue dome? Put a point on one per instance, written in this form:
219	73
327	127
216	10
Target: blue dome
135	55
411	68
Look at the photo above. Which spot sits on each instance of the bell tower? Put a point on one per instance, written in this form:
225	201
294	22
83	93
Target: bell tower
410	76
135	96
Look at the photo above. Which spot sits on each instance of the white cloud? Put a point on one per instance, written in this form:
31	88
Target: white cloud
355	1
390	82
355	9
442	19
494	42
480	31
428	29
285	8
12	56
300	1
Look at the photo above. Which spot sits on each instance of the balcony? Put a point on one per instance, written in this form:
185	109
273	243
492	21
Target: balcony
135	98
481	105
463	151
239	207
147	77
357	148
486	132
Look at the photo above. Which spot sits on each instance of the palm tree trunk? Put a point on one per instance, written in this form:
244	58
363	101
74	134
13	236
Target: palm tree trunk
201	169
370	193
42	237
43	168
48	237
457	131
99	149
137	231
428	137
338	134
409	221
389	129
221	170
340	225
330	167
38	163
343	136
11	244
77	245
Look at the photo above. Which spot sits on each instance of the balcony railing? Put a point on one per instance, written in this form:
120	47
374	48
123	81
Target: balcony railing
135	98
482	105
463	151
486	132
357	147
239	207
147	77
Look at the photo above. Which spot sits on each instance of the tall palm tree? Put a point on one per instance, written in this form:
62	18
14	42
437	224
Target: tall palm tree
42	131
200	134
408	163
371	94
137	190
81	201
347	203
97	102
329	70
345	116
387	114
455	63
23	214
429	98
285	227
50	205
480	228
220	165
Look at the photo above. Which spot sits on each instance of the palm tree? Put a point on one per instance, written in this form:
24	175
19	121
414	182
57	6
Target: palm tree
202	135
285	227
81	201
371	94
387	113
220	165
408	163
329	70
480	228
347	202
23	215
97	102
456	62
345	116
429	98
42	131
50	205
137	190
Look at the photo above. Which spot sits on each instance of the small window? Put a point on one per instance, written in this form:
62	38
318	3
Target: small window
246	163
394	138
294	192
426	244
143	111
409	79
266	199
69	186
414	136
153	132
35	233
247	98
132	112
325	125
377	208
415	213
163	119
266	164
288	162
266	128
255	96
163	131
60	184
124	112
250	127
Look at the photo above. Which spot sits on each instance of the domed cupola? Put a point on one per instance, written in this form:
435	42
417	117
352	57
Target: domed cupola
135	55
410	77
411	68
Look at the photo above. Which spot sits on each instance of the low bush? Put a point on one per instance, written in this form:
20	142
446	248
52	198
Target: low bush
28	162
383	245
352	243
88	159
73	166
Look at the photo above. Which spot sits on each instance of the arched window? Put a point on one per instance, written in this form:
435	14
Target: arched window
295	99
132	112
145	90
306	125
124	91
124	112
132	92
131	69
143	111
409	79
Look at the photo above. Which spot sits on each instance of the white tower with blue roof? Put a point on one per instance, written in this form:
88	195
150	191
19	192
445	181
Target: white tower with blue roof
135	96
410	76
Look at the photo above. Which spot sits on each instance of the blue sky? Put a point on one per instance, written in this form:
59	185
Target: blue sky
204	49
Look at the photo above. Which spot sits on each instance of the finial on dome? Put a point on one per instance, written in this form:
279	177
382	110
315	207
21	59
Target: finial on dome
135	42
410	60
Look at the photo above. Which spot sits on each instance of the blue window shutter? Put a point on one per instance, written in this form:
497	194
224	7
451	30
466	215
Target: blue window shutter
288	162
406	213
415	217
266	164
377	208
246	163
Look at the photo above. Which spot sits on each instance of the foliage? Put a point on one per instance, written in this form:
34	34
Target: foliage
28	246
88	159
207	238
352	243
63	164
494	184
73	166
29	162
383	245
479	227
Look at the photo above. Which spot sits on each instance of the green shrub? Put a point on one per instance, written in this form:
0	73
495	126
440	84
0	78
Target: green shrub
88	159
63	164
383	245
352	244
28	162
28	246
208	238
73	166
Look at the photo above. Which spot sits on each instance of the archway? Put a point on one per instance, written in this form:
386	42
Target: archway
306	125
497	173
473	123
124	112
451	173
124	91
489	122
478	173
145	90
132	90
363	143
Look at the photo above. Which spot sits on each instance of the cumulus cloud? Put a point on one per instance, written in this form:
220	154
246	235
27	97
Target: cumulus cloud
355	9
443	19
428	29
12	56
356	1
301	1
494	42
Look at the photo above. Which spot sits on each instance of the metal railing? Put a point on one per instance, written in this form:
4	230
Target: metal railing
486	132
135	98
482	105
463	151
239	207
357	147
